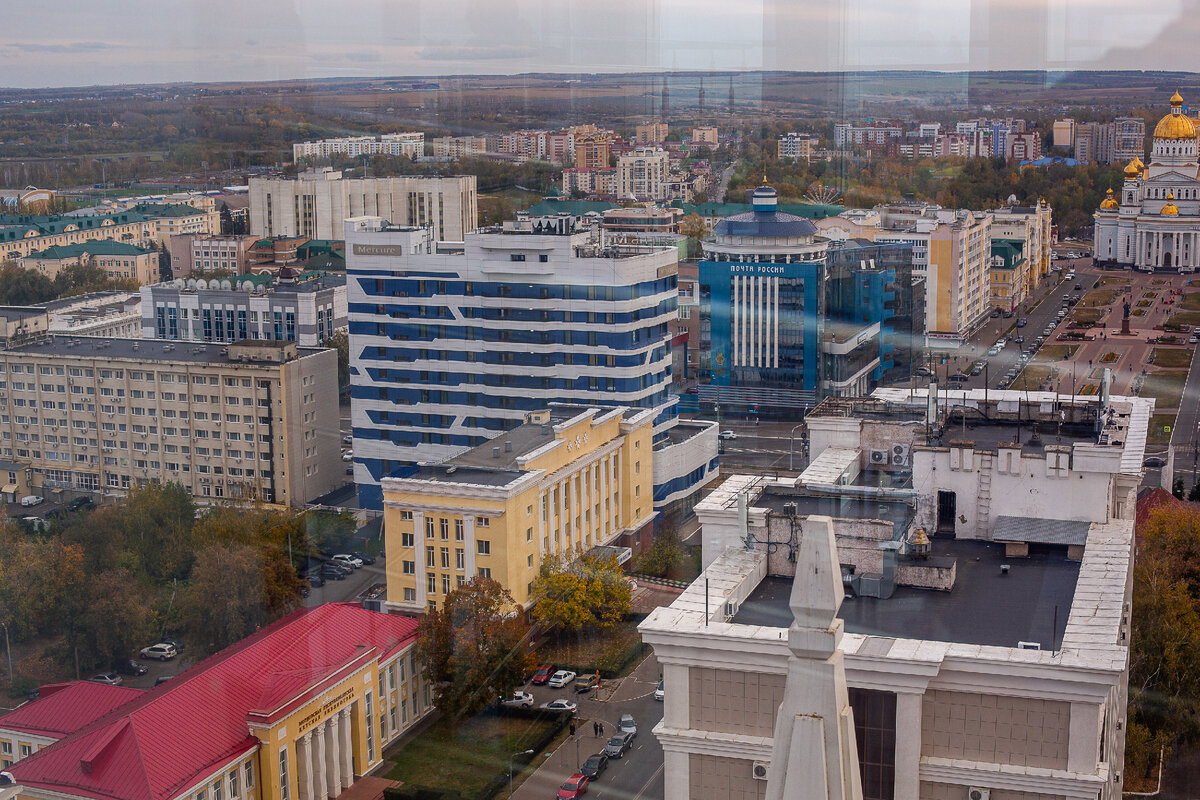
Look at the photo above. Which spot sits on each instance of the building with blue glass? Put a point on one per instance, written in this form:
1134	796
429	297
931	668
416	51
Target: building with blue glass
453	343
788	318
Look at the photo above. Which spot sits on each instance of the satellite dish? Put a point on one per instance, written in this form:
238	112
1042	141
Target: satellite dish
191	284
260	289
178	283
246	286
202	284
226	284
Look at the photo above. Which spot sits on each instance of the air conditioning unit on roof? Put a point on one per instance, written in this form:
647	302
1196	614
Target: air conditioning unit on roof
879	457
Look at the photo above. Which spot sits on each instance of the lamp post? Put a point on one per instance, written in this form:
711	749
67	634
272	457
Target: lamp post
510	769
8	652
792	444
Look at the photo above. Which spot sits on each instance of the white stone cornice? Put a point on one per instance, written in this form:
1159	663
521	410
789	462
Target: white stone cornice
1037	780
714	743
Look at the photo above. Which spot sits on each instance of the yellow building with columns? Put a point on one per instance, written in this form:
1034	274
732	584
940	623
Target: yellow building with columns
298	711
569	479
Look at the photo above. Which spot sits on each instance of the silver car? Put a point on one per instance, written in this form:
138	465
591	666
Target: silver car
618	744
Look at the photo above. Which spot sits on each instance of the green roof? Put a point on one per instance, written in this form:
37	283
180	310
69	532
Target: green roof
97	247
1011	251
575	208
806	210
17	226
319	246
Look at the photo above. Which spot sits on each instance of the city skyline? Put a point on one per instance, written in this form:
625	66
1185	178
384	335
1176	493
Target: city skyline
77	44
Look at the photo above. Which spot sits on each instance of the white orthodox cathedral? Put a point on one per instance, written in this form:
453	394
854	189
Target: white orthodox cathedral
1153	223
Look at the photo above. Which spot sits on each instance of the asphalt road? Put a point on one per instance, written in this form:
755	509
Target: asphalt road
1185	436
637	776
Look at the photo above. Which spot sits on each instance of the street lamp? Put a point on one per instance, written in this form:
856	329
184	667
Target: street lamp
510	769
792	444
8	652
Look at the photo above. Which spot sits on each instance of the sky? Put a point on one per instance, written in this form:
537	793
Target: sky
83	42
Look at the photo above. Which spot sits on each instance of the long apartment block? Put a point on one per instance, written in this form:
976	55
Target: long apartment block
254	420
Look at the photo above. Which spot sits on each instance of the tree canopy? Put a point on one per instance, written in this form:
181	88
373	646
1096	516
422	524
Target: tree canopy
588	593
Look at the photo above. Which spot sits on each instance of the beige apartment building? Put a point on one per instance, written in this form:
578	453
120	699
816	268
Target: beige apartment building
650	133
22	235
706	135
459	146
643	174
253	420
318	203
119	261
178	218
192	253
1031	226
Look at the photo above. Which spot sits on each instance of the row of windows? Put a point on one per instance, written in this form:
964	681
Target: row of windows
394	311
406	332
410	287
231	782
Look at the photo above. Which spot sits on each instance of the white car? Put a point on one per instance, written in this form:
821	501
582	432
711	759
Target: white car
162	651
561	678
728	435
347	560
660	692
518	700
560	705
31	500
348	456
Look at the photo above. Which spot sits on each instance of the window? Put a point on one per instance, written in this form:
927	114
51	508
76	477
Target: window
445	558
458	530
410	567
410	595
484	547
249	770
429	527
429	557
218	790
370	713
485	572
406	540
444	527
233	784
431	583
483	522
406	515
460	560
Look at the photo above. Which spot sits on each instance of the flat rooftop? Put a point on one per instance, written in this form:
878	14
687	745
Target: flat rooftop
1029	604
450	472
899	514
989	435
681	432
153	350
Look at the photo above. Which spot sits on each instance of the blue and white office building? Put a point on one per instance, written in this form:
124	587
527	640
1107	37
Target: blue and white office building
788	318
452	343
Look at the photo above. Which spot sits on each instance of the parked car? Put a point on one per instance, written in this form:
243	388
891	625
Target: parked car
347	440
32	500
111	678
561	678
1022	322
316	579
519	699
924	372
178	645
347	560
618	744
660	692
1192	339
363	557
585	683
728	435
691	390
594	766
1154	462
574	787
81	504
627	724
978	368
560	705
347	457
161	651
332	572
130	667
1020	340
542	674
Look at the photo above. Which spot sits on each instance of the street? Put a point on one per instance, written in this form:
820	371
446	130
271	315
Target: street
637	776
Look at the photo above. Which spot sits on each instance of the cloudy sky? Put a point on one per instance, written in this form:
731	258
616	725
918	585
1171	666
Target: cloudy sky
83	42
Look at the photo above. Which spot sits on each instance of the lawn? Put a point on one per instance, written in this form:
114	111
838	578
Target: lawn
1087	315
1156	434
1031	378
468	758
1171	358
1099	297
1191	301
608	652
1057	352
1114	280
1165	387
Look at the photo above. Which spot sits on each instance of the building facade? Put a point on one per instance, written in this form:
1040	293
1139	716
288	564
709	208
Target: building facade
650	133
457	147
1153	223
320	694
111	315
706	135
410	145
174	219
118	260
285	309
237	422
568	479
643	174
796	146
452	345
191	253
317	204
592	151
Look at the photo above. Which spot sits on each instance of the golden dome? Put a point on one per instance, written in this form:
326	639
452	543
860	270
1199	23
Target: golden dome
1131	169
1137	162
1109	203
1175	125
1170	209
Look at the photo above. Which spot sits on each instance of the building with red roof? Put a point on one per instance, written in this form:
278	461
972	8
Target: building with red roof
297	711
62	709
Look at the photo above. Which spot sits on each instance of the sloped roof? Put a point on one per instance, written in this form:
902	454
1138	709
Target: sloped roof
167	210
64	708
573	207
96	247
163	741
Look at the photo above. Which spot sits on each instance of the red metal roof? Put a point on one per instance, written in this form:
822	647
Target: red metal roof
160	743
64	708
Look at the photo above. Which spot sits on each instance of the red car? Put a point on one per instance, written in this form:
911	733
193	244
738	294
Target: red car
543	674
576	786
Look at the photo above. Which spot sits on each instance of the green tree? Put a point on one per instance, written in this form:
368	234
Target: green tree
340	341
588	593
23	287
473	648
693	227
226	220
116	619
665	554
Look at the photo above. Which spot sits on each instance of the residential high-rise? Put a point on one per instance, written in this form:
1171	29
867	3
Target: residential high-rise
643	173
452	344
707	135
650	133
459	146
243	421
411	144
1064	132
592	151
798	146
317	204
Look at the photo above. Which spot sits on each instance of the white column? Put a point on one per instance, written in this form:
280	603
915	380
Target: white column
304	768
419	554
333	765
676	777
1083	738
604	527
735	340
775	325
347	749
908	746
541	524
469	546
320	787
677	696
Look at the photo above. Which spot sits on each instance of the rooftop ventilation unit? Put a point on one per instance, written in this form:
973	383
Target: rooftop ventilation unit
900	454
879	457
760	770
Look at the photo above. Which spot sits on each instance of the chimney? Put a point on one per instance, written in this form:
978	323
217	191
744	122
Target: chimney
508	447
495	452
